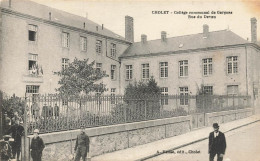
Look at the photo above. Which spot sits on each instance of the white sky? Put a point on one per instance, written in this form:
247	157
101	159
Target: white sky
112	14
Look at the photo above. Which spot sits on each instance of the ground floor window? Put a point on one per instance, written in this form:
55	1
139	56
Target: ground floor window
184	92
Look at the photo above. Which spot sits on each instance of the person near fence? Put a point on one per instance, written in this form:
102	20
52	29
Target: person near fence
17	132
37	146
217	144
56	111
35	110
82	145
5	148
45	112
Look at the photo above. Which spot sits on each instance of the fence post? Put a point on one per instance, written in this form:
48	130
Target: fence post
145	110
25	148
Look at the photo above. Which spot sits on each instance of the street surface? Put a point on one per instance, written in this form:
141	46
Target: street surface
243	144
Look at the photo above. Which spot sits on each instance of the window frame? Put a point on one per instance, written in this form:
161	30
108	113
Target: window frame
164	69
129	72
113	51
35	31
64	63
83	43
99	46
231	63
164	95
184	96
145	71
65	42
113	68
209	66
183	64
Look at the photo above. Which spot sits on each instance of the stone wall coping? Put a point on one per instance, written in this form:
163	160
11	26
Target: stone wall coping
214	114
55	137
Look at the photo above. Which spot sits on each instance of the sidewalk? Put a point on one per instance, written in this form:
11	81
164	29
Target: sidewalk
155	148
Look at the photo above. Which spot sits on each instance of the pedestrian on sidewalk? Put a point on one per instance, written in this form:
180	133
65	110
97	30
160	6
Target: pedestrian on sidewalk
17	132
217	144
37	146
82	145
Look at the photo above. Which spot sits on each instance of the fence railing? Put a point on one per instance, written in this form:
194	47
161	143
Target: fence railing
51	113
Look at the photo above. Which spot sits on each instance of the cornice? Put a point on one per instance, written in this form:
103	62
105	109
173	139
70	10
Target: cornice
22	15
191	50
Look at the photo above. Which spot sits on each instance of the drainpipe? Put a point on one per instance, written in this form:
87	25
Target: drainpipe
246	72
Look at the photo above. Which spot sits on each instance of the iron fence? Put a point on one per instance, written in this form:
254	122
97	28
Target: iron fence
51	113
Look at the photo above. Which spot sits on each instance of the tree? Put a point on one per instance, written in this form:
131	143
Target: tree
143	98
80	76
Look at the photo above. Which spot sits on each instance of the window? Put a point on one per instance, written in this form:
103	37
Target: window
99	46
65	63
232	89
183	68
208	90
129	72
232	65
163	69
145	71
32	89
113	95
113	72
207	66
164	96
32	33
64	102
184	92
113	50
65	39
99	66
33	63
83	43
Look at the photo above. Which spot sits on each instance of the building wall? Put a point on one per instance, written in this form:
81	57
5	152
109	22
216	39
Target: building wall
16	47
219	79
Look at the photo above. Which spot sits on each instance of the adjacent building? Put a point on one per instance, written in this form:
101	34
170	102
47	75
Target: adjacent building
38	40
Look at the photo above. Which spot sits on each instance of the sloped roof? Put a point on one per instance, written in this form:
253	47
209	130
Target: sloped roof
59	16
187	42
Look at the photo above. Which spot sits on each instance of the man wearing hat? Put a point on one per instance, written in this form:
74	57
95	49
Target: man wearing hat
17	132
5	148
37	146
217	144
82	145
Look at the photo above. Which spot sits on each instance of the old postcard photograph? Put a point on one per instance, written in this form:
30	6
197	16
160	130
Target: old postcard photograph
112	80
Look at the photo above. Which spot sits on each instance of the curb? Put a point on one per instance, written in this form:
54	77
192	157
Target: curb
190	143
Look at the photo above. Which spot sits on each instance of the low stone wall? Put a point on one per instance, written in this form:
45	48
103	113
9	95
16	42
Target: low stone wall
60	145
227	116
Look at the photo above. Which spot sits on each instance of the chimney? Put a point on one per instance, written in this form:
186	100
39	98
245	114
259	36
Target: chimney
102	26
84	25
50	16
10	3
97	28
205	31
163	36
253	30
143	38
129	28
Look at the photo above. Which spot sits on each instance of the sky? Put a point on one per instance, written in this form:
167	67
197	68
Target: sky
112	15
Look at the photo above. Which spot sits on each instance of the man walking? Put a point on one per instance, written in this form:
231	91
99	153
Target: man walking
217	144
17	131
82	145
37	146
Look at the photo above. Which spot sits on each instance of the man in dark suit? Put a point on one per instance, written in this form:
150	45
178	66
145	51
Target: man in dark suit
217	144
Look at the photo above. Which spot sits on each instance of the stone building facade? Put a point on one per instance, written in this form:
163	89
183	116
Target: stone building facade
38	40
220	62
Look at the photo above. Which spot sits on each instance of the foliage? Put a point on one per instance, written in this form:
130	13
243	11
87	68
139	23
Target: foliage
80	76
12	104
141	90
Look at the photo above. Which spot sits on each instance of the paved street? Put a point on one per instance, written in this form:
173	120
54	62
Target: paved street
243	144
